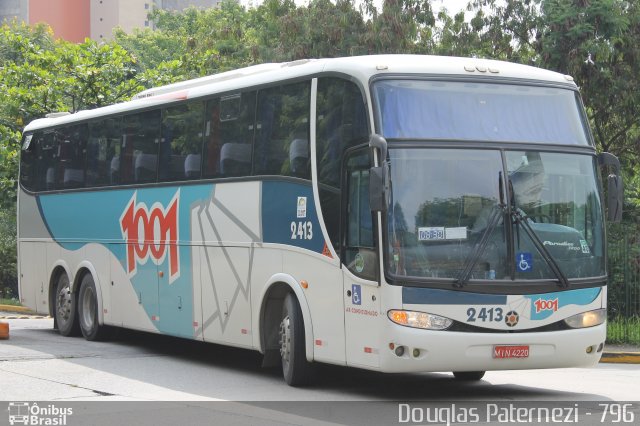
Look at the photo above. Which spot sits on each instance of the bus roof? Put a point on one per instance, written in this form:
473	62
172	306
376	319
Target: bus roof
360	67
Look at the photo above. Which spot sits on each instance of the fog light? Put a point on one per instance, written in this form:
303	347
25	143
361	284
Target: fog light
589	349
400	350
416	353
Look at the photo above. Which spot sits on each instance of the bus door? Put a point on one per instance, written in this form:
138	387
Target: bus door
360	264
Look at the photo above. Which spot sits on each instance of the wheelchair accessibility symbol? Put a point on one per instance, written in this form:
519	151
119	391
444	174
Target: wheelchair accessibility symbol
356	294
524	262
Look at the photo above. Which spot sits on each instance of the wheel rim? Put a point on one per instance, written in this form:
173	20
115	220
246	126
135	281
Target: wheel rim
64	302
285	340
88	304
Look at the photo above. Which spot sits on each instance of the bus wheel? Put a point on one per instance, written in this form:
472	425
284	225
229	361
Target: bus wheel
65	308
296	369
468	376
88	311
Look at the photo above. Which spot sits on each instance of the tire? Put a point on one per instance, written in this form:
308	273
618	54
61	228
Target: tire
66	317
88	311
468	376
297	371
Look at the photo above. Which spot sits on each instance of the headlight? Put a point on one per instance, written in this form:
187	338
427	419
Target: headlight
419	320
587	319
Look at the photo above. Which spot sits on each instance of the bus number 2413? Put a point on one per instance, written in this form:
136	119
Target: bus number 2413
301	230
484	314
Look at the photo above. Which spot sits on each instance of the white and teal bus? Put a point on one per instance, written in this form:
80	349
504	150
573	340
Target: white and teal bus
393	213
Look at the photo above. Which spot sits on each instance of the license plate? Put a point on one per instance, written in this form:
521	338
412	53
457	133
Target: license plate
511	351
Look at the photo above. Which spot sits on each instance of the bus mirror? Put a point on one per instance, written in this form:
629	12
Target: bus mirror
380	143
615	191
379	187
615	196
379	176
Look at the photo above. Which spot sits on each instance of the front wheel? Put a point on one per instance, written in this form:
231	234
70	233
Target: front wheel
468	376
88	311
296	369
65	307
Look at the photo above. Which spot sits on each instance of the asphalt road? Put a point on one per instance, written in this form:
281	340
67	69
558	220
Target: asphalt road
37	364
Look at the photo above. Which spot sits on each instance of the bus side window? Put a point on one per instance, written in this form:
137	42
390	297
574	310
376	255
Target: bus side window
103	152
341	123
229	128
71	156
140	140
28	161
46	163
282	134
181	144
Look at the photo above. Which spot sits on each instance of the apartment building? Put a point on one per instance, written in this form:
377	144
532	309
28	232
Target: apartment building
75	20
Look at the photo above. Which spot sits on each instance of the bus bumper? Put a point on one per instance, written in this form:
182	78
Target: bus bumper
427	351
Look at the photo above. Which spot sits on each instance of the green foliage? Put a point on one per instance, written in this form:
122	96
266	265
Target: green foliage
624	330
8	270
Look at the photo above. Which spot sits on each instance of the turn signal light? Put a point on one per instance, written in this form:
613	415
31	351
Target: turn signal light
419	320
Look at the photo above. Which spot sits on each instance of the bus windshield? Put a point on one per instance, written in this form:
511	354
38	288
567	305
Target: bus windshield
426	109
445	201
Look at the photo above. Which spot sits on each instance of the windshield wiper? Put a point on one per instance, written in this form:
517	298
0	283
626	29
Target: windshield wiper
497	212
521	218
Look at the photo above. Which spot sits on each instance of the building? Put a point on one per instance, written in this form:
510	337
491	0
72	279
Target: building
126	14
14	9
75	20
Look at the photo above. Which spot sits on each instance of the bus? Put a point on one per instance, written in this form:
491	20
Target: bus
395	213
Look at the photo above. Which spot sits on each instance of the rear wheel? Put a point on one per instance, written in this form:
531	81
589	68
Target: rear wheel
65	308
468	376
296	369
88	311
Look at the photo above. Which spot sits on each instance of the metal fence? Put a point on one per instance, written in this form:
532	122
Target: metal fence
624	283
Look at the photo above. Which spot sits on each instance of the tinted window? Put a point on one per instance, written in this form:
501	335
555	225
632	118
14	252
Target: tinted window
282	133
139	154
229	128
479	112
341	123
71	148
47	152
181	147
360	255
28	161
103	152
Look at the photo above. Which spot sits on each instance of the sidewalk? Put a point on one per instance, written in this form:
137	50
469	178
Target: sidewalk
613	353
17	312
621	354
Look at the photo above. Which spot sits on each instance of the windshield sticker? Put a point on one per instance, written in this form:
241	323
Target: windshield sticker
302	207
359	261
440	233
459	233
585	247
524	262
567	244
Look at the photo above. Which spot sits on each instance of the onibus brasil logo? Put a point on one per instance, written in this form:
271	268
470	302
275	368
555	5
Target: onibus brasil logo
24	413
151	233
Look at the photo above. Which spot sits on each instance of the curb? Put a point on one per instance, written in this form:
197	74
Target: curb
620	358
13	308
